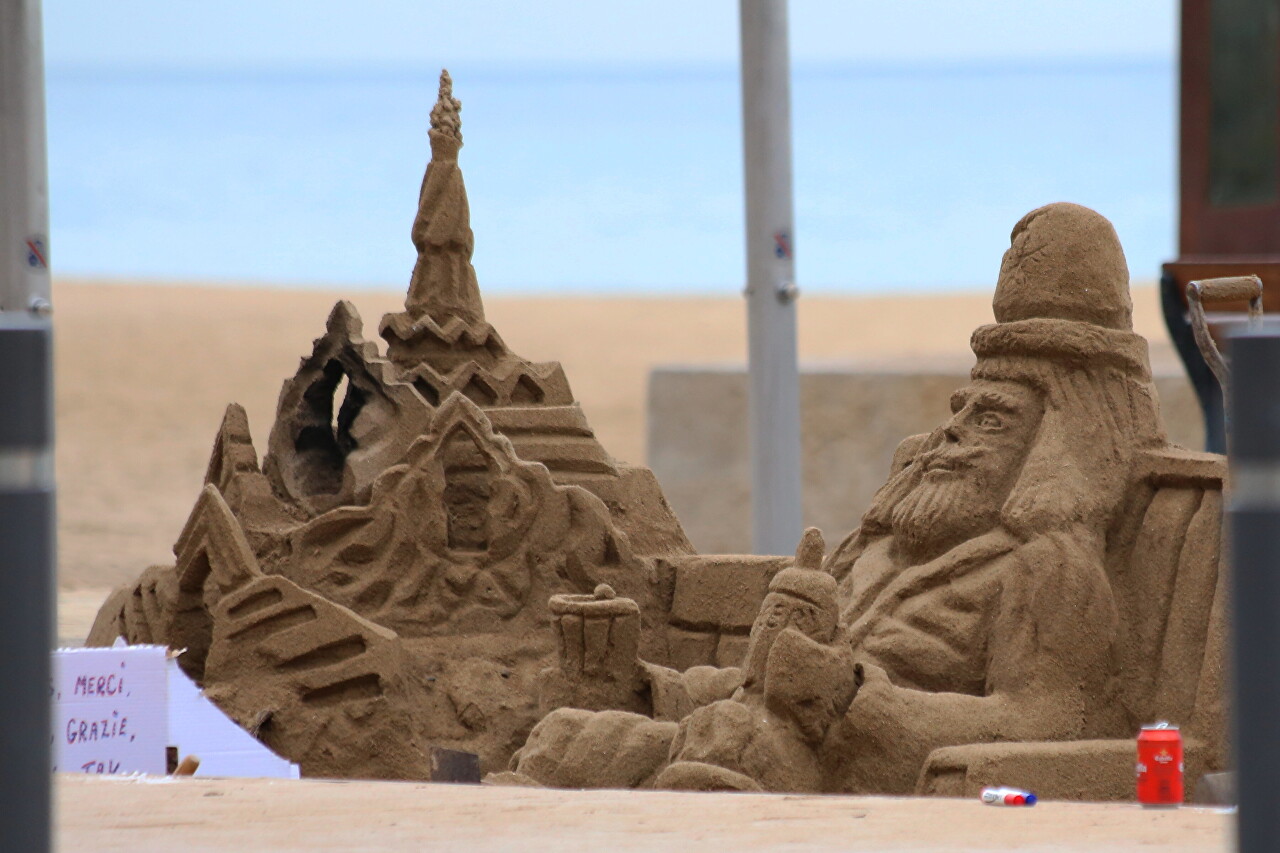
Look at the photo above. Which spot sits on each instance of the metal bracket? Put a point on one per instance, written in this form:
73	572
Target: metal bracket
1236	288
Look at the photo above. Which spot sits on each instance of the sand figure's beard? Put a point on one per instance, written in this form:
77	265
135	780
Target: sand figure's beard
937	515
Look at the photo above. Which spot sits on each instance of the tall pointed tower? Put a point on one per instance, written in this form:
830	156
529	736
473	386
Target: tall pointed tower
441	343
444	282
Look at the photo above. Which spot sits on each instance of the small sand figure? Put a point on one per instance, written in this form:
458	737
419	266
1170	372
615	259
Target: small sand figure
799	678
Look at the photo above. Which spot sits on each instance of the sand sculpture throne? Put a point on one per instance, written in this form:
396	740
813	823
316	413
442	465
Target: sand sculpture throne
1170	583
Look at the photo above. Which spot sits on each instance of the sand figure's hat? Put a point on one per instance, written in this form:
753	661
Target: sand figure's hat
444	284
1063	293
1064	262
815	587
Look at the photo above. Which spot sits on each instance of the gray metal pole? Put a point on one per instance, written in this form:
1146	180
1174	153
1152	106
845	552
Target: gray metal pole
26	437
1255	582
771	290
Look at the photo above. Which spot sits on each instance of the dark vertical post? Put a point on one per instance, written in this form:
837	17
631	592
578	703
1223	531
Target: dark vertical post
26	438
1255	571
1203	382
26	581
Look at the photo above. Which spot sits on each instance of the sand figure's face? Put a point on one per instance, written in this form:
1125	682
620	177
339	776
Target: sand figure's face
779	611
967	477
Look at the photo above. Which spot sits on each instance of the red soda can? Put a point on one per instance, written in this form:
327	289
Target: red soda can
1160	765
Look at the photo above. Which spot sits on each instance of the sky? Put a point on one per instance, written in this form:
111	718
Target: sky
267	33
945	117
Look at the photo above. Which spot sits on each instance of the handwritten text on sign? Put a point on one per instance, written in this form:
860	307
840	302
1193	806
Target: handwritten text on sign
109	710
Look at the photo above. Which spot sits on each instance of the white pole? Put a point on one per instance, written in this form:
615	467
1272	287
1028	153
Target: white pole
26	436
771	289
24	187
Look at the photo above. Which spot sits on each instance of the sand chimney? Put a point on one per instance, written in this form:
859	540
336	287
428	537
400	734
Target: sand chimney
444	282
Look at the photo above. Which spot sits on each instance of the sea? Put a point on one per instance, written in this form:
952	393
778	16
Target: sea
599	179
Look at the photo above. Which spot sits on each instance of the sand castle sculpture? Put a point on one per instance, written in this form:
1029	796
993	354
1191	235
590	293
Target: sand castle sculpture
446	556
380	581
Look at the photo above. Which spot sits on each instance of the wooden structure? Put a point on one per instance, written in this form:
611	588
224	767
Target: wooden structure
1229	171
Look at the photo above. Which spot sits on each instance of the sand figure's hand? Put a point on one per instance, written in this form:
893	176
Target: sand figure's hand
811	683
810	550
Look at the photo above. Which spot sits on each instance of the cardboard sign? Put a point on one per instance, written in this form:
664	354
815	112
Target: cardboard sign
109	710
117	710
197	727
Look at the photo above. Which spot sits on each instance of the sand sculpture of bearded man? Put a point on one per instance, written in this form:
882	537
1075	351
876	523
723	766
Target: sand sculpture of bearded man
971	605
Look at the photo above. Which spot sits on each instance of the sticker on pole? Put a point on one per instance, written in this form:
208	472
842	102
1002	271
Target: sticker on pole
37	254
782	245
109	710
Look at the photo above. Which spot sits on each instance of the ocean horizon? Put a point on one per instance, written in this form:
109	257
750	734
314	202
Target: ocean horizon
598	179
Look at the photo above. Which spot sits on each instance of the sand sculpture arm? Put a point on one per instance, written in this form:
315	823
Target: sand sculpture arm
1047	654
675	695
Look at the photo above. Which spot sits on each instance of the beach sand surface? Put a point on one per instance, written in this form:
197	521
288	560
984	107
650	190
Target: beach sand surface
101	815
146	370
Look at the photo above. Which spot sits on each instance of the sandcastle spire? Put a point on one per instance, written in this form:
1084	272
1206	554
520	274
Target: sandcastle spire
444	282
446	114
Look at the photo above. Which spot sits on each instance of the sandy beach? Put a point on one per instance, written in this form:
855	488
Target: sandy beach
262	814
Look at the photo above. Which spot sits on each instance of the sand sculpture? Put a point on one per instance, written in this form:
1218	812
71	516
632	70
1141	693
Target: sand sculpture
1043	567
443	554
380	582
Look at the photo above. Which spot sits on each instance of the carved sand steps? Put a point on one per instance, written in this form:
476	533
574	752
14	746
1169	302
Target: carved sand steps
333	681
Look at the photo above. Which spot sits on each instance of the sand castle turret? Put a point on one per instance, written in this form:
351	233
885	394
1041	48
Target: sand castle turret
441	339
443	284
441	344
